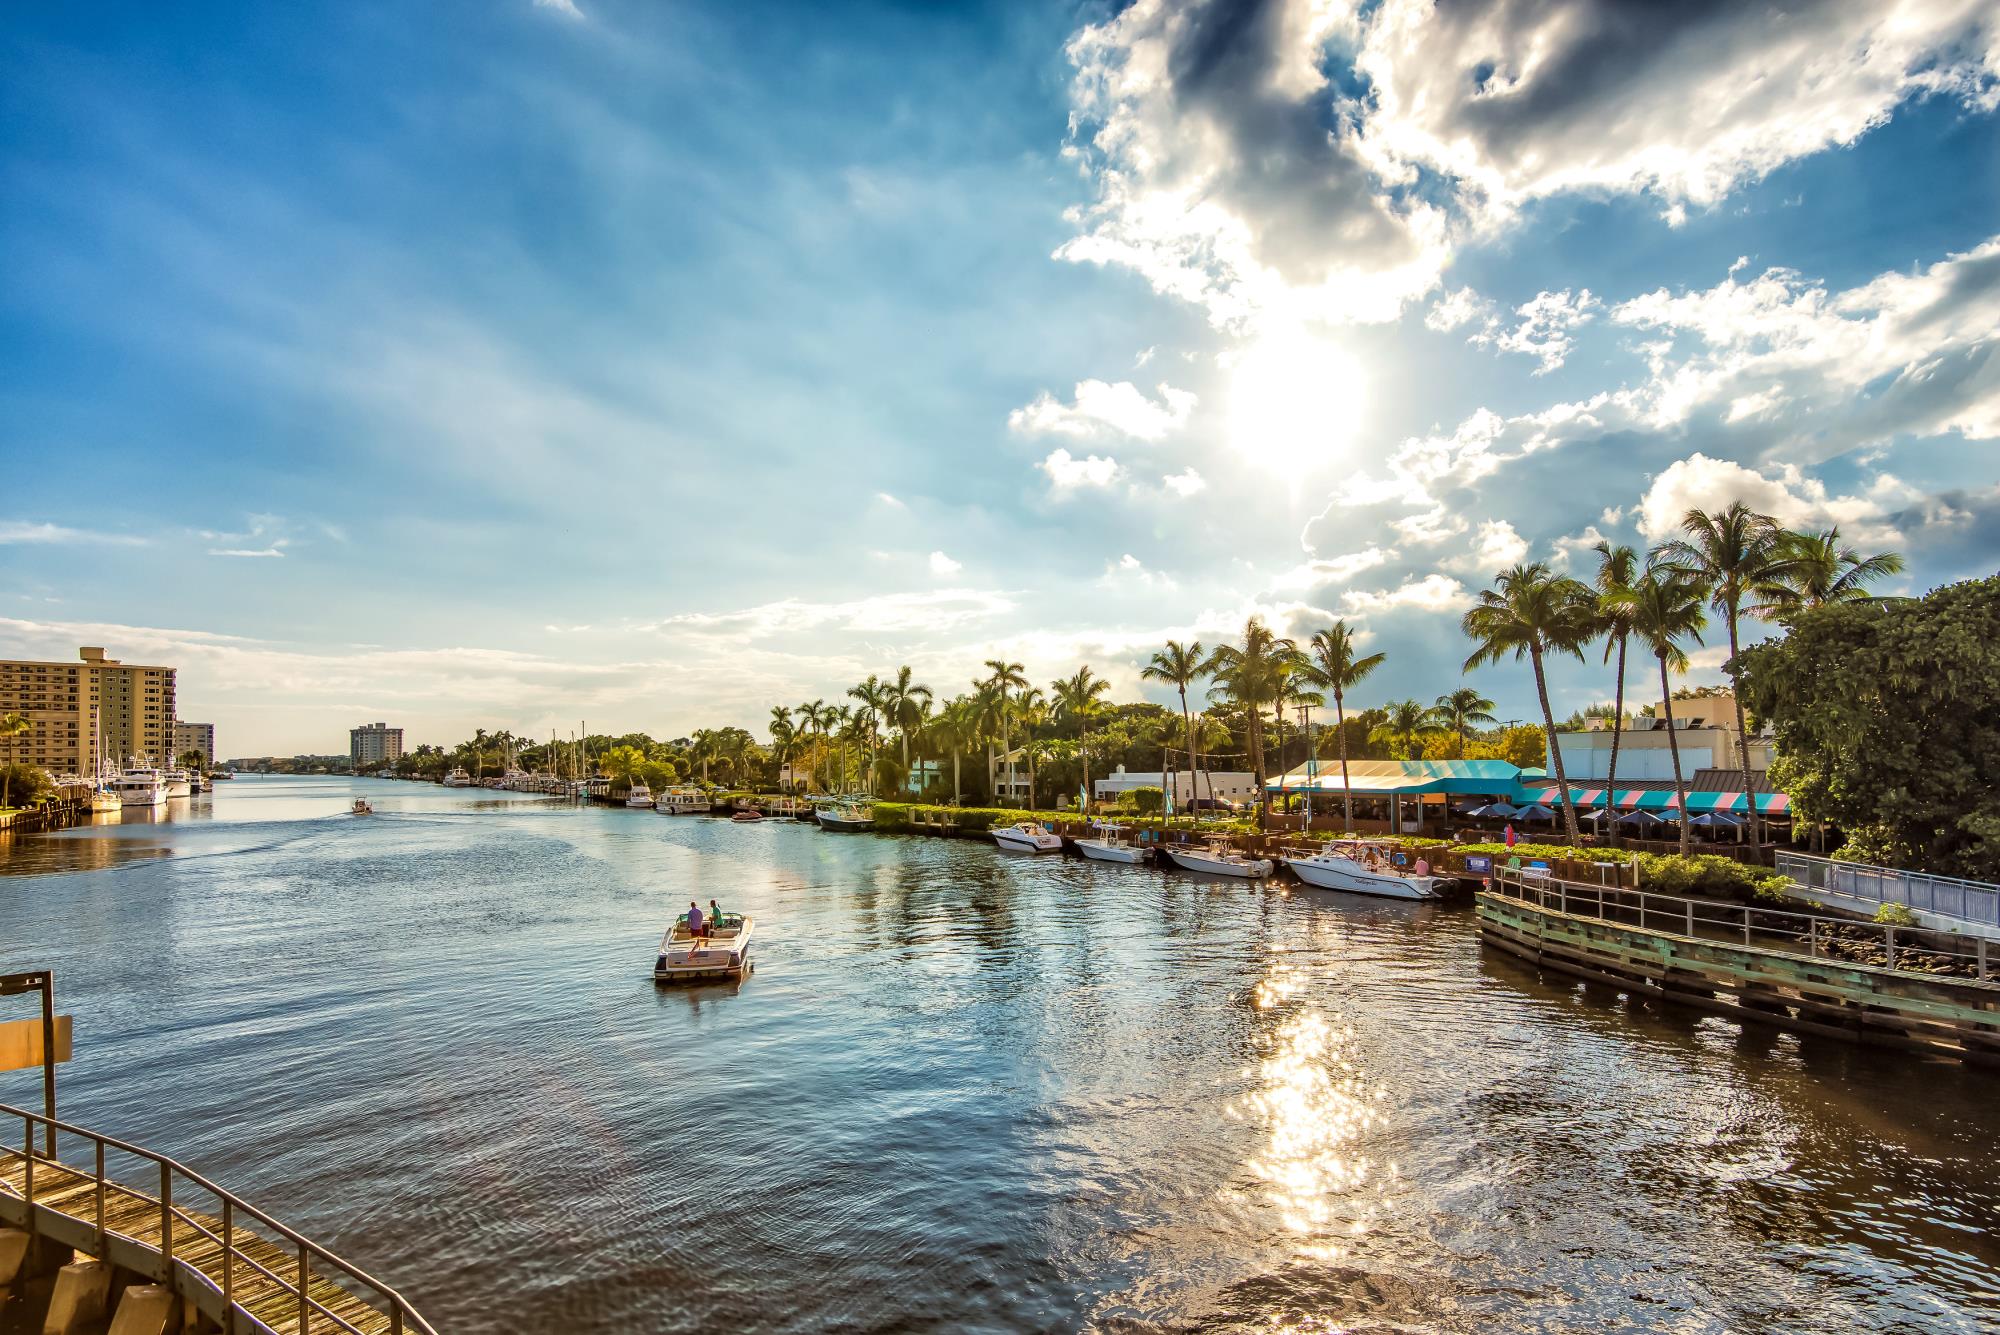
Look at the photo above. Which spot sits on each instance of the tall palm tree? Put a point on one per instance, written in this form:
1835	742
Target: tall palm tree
1821	570
12	725
1004	677
1733	554
903	704
1459	710
1031	707
1336	668
955	728
873	695
813	718
1076	699
1617	567
1532	613
783	734
1664	608
1252	675
1408	723
1181	666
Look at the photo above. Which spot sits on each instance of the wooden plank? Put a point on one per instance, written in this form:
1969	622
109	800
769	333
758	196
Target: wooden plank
21	1043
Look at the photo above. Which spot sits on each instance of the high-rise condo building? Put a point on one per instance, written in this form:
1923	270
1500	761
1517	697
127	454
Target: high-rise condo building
374	744
92	714
195	737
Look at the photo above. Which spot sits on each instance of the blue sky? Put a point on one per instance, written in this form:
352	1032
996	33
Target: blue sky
518	363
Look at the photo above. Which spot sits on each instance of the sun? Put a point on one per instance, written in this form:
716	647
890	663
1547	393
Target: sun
1295	399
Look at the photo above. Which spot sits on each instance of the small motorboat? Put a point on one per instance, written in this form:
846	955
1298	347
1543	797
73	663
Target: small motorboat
751	817
361	807
1360	868
639	796
847	817
1217	859
1113	844
721	951
1027	837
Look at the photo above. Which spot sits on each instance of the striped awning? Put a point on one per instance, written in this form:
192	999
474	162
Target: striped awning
1657	799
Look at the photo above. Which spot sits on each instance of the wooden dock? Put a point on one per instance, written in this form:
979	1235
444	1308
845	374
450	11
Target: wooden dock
235	1268
1865	982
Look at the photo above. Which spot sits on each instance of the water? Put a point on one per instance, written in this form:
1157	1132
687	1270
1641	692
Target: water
963	1091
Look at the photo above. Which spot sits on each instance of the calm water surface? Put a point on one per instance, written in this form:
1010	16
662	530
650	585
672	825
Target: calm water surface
962	1091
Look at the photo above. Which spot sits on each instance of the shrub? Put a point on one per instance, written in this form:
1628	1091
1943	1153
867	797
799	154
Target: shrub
1896	915
1709	875
1145	801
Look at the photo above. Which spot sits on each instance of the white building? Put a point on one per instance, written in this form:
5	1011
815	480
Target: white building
1179	786
374	744
1704	732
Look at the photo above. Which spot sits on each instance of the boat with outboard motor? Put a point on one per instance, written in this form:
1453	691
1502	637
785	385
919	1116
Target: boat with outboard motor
721	951
1113	844
361	807
1027	837
1361	868
683	800
846	816
1216	858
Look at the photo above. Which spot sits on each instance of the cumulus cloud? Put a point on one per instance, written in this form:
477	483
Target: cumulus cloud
1495	546
1100	409
1458	308
1786	494
567	8
1544	329
1129	572
1066	472
1331	569
883	612
1431	593
942	565
1184	483
1431	527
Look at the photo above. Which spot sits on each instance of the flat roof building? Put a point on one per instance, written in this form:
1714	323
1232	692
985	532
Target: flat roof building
195	737
374	744
69	705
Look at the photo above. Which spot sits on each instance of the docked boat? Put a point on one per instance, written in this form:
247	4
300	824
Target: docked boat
640	796
846	817
458	778
683	800
144	788
104	801
1359	868
722	951
1217	859
751	817
361	807
178	783
1113	844
1027	837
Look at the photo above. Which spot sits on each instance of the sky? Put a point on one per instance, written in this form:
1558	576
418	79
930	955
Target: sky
527	363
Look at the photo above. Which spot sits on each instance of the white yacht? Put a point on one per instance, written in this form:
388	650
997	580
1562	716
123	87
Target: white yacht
846	816
178	783
1113	844
1027	837
458	778
1217	859
145	788
1359	868
640	796
722	951
683	800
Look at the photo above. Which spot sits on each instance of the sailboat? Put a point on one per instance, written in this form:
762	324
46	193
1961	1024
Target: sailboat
103	801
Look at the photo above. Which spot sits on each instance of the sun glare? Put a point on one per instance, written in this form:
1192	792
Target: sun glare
1294	401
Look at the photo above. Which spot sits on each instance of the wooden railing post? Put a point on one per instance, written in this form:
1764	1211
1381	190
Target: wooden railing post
305	1263
228	1266
100	1197
166	1224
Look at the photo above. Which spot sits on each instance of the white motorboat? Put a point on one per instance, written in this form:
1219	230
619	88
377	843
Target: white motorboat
846	817
1027	837
361	807
104	801
722	951
140	788
640	796
458	778
178	783
683	800
1217	859
1359	868
1113	844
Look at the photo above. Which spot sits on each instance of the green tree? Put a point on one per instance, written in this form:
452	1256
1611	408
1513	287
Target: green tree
1819	570
1663	608
1181	666
1004	678
1459	710
1617	567
904	702
1532	613
1409	722
1886	724
1336	667
1251	675
1076	701
12	725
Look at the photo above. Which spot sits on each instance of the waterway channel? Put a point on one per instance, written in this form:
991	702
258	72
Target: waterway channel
963	1090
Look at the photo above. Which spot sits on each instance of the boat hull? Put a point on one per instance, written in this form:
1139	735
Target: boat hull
1016	842
846	824
1359	881
1126	853
1255	870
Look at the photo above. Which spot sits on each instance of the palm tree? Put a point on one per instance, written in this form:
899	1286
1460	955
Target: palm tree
903	704
1031	707
1335	668
1531	613
1733	554
1006	676
874	697
1180	666
1664	608
1408	723
956	727
703	747
1821	570
813	718
1460	709
783	734
11	726
1616	569
1076	700
1251	675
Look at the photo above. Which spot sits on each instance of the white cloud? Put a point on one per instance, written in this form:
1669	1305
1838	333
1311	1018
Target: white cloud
1432	593
1067	472
275	550
1101	408
567	8
1144	357
893	502
1432	526
1458	308
1544	330
1787	495
18	531
1129	572
1495	546
1564	550
1184	483
883	612
1331	570
1611	515
942	565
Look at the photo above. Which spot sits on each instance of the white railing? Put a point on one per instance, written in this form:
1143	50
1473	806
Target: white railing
1946	896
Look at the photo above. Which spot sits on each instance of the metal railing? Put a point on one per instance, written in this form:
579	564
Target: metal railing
1911	950
179	1227
1946	896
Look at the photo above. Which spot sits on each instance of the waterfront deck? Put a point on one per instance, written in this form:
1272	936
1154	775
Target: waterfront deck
1861	981
240	1268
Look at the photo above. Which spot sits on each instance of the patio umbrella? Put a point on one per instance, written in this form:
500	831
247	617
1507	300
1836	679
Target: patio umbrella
1535	812
1598	815
1501	810
1641	818
1713	820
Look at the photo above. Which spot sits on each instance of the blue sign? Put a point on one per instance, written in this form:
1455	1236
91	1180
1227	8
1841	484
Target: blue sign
1478	863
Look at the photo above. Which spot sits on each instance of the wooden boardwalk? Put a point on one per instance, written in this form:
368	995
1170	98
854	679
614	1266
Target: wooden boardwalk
243	1280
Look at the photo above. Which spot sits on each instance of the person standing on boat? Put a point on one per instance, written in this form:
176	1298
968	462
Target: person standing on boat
694	919
714	916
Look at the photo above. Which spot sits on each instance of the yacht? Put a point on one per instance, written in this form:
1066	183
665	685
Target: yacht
640	796
722	951
1217	859
458	778
178	783
683	800
1359	868
846	816
144	788
1113	844
1027	837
